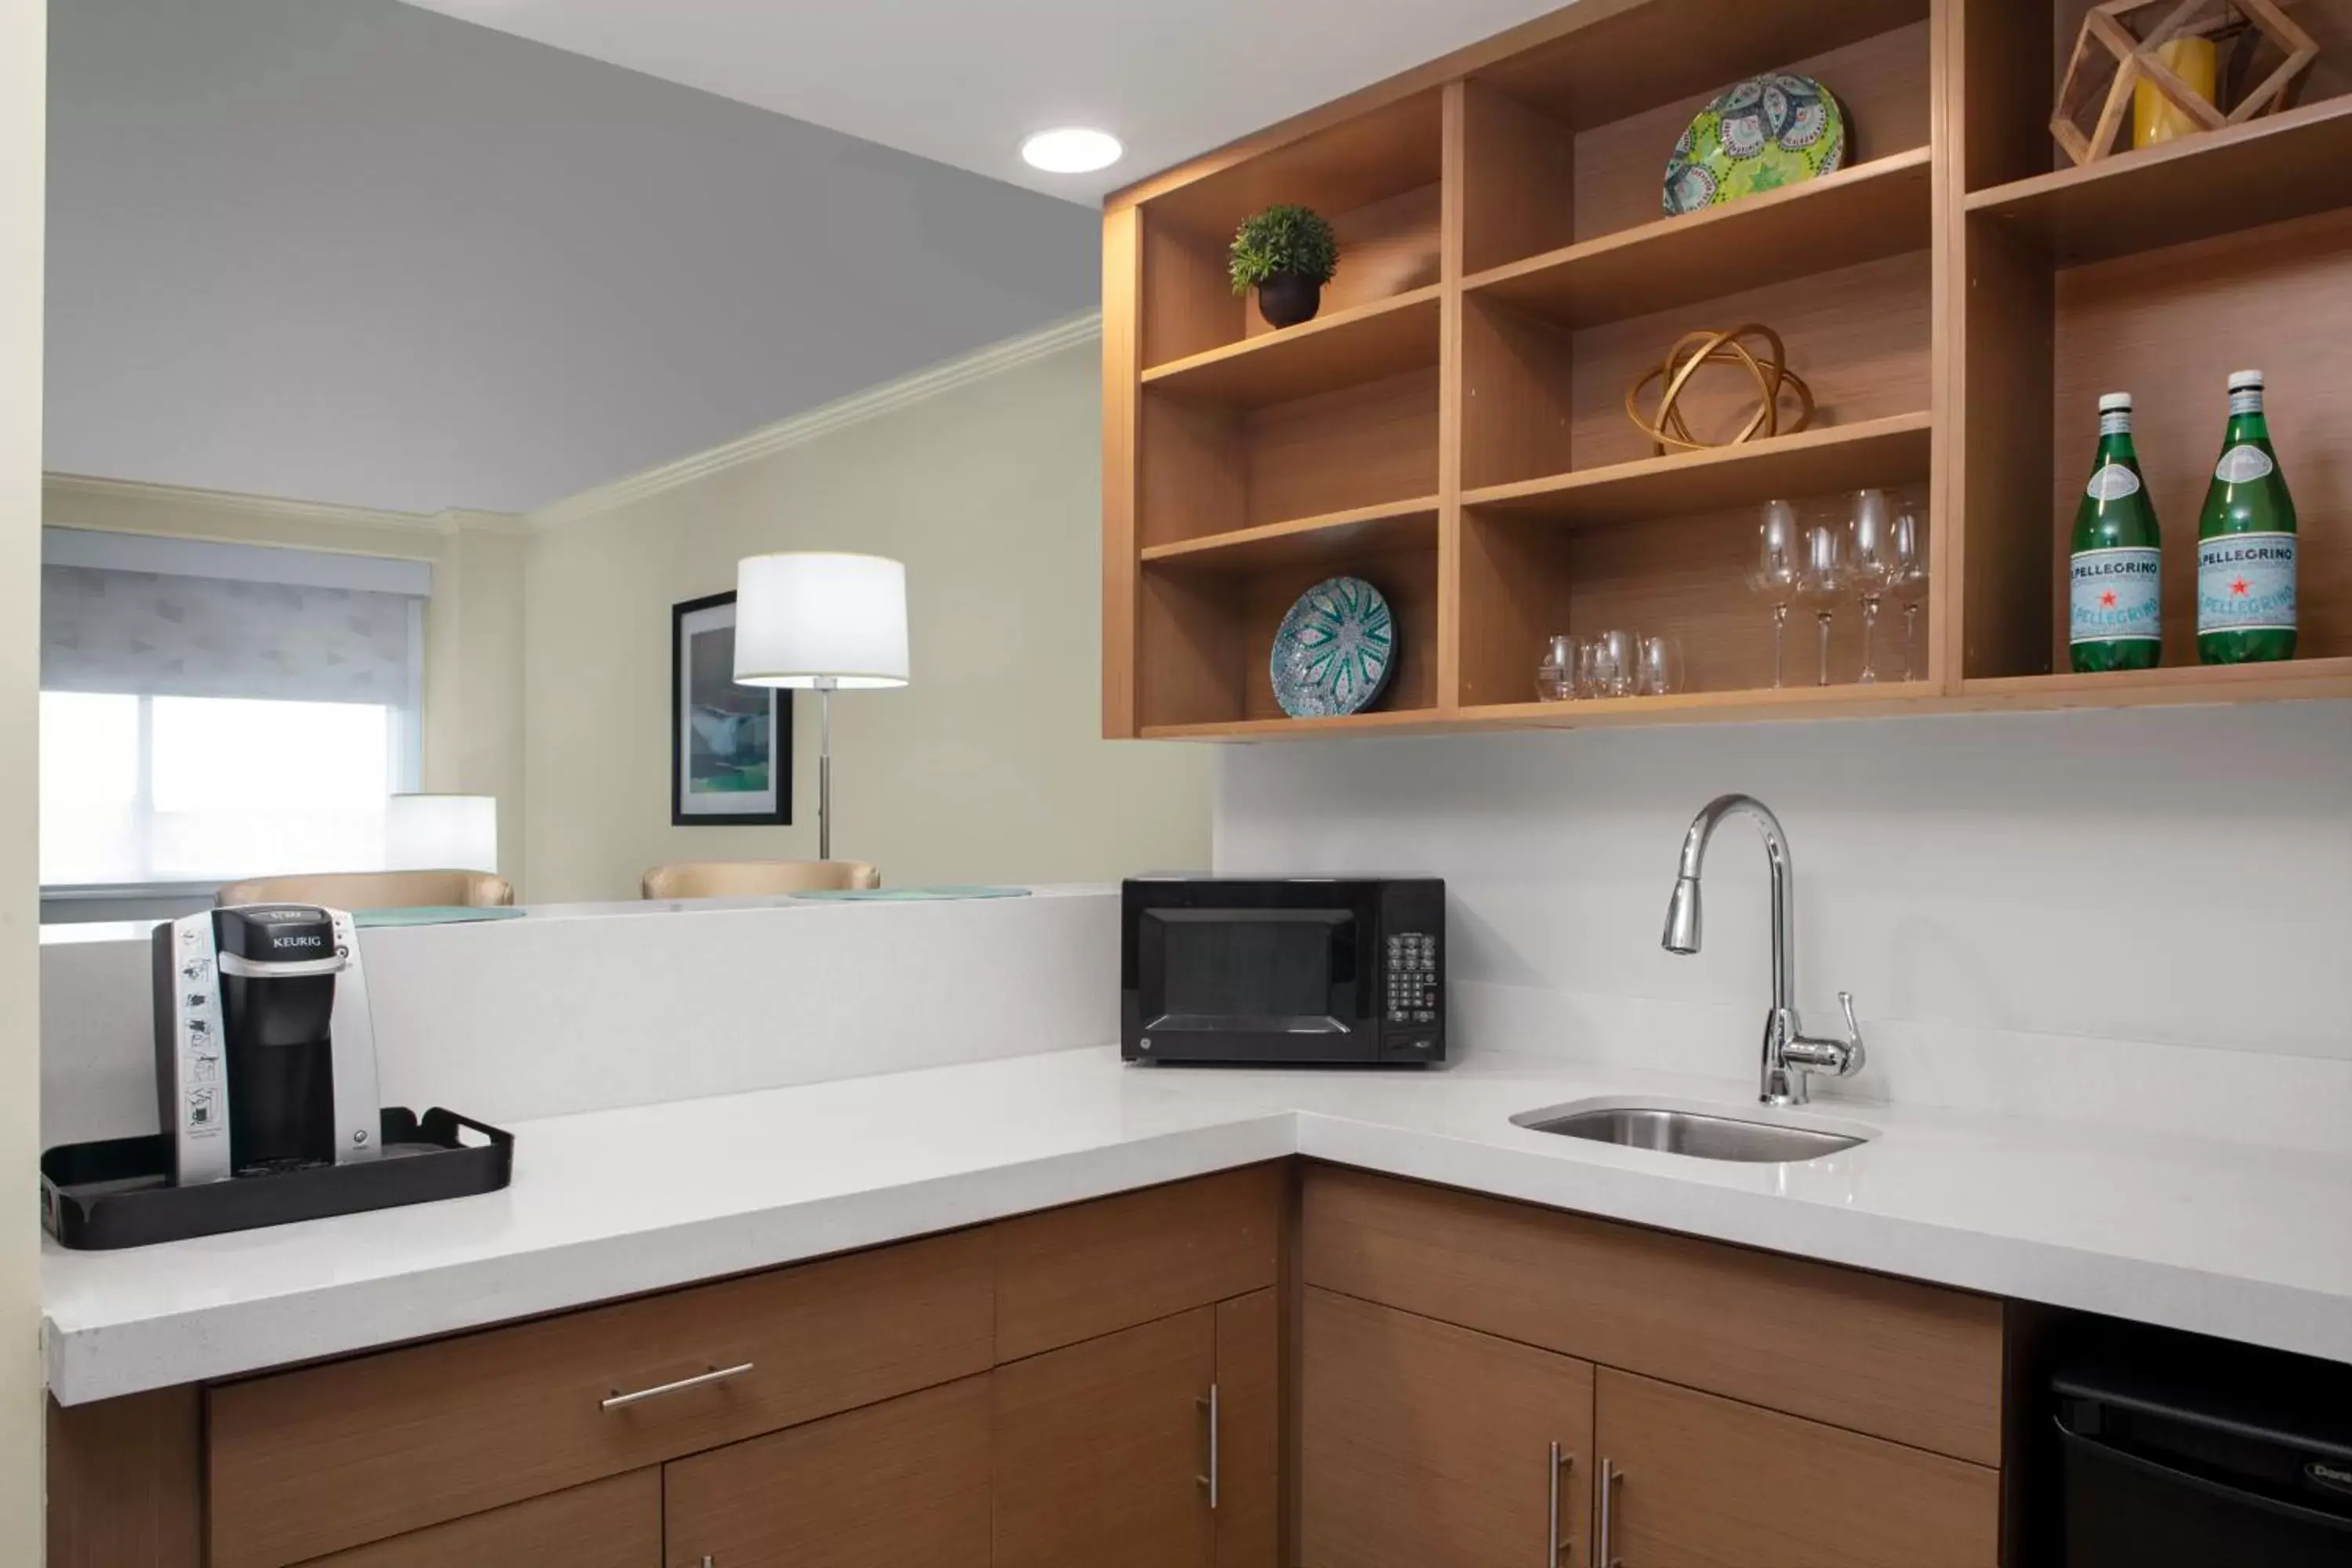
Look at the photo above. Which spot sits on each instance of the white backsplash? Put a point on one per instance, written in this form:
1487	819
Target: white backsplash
586	1007
2134	916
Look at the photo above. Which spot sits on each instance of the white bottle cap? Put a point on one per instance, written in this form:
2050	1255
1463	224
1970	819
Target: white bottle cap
2239	378
2112	400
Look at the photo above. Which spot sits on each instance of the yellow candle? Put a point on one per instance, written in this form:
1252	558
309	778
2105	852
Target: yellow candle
2155	117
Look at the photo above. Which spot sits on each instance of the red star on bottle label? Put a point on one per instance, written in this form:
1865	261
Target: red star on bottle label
2107	600
2241	588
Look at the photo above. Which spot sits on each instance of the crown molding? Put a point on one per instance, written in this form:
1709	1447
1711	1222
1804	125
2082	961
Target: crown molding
872	404
61	491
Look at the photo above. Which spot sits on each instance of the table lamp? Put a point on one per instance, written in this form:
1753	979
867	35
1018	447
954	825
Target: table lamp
441	833
823	622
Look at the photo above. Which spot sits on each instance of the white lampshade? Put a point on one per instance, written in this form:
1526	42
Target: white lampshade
441	833
808	618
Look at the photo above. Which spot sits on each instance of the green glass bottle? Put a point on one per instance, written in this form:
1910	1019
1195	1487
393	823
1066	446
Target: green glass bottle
2115	595
2246	542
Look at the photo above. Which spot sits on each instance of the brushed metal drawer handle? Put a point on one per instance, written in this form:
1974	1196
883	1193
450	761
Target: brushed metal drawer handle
700	1380
1208	1483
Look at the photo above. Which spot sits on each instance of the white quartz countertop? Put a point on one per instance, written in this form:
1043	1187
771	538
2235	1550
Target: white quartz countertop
2224	1238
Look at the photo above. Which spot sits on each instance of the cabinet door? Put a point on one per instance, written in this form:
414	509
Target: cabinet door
1100	1449
1249	1432
901	1482
1706	1482
1431	1447
615	1523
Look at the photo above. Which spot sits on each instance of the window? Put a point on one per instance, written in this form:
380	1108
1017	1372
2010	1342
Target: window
197	727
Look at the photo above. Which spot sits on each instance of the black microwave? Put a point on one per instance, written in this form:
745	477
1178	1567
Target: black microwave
1283	970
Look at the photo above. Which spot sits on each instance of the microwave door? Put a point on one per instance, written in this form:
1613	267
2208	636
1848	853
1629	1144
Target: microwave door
1270	984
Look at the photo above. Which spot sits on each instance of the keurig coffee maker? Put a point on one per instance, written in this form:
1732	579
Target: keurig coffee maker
264	1053
265	1086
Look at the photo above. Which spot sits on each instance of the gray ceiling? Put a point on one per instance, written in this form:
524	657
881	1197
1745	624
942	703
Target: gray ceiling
347	250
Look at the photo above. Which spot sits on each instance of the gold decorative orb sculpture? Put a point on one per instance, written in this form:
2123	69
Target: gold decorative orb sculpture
1665	427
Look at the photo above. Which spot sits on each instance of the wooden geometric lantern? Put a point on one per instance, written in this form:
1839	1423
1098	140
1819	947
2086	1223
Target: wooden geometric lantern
2107	36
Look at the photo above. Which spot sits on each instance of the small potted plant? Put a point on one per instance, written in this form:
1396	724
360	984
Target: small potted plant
1286	254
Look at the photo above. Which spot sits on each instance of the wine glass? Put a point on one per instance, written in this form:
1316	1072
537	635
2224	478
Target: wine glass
1773	577
1823	583
1556	676
1908	583
1870	565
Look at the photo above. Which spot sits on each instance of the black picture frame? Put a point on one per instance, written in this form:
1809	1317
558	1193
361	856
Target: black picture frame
689	807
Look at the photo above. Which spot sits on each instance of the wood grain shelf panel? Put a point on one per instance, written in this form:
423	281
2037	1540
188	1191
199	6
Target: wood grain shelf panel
2293	680
1348	347
1888	452
1880	208
1401	721
1333	536
2284	166
1840	701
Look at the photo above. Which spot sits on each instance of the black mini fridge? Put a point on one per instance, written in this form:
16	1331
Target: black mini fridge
2174	1449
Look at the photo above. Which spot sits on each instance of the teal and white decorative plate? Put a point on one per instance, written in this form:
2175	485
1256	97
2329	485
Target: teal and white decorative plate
1334	651
1767	132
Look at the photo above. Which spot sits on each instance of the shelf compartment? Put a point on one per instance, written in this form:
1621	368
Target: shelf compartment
1206	621
1872	210
1331	537
1528	575
1208	468
1550	162
1876	452
1541	400
2267	171
1377	179
2168	326
1653	57
1339	349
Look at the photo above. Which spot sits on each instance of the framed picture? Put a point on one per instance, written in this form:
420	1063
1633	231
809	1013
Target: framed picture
730	747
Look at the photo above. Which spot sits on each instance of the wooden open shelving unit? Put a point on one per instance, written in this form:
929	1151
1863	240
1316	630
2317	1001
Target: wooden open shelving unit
1451	427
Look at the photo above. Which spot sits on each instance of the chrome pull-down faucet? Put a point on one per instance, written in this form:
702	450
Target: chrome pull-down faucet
1789	1053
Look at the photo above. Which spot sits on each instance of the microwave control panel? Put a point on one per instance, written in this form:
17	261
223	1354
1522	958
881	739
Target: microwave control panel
1412	964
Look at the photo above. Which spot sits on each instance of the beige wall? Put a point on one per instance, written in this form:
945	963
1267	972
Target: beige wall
989	766
23	54
473	624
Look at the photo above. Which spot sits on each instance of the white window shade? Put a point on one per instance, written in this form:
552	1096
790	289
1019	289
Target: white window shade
167	636
212	710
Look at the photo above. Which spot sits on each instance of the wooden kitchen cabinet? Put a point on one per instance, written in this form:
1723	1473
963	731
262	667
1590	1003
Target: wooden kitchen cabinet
1707	1482
906	1481
1102	1449
615	1523
1428	1445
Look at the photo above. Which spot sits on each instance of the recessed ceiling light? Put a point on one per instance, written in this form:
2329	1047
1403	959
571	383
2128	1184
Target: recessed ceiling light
1072	150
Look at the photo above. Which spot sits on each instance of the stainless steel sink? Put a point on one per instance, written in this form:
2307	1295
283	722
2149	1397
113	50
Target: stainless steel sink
1692	1133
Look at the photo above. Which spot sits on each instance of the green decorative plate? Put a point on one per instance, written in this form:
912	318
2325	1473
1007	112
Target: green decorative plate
1767	132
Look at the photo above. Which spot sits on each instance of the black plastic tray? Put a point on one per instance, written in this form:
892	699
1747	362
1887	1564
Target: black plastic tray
113	1193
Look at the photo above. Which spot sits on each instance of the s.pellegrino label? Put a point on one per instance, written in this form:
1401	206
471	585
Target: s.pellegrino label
2246	542
2115	587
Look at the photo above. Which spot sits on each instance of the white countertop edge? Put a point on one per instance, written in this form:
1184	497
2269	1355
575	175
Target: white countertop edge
1064	1126
2265	1312
217	1341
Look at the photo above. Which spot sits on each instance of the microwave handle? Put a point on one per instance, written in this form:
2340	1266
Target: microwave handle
2149	1466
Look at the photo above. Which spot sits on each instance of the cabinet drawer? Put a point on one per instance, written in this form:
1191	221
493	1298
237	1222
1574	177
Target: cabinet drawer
1710	1483
308	1462
615	1523
1071	1274
902	1482
1900	1359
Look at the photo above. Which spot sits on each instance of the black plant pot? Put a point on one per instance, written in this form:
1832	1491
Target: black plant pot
1287	299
